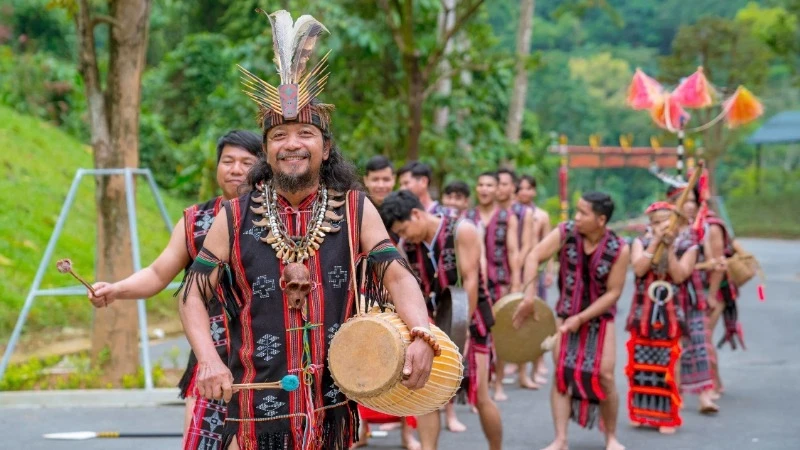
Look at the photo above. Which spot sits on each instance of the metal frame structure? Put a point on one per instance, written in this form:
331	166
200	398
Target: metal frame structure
34	292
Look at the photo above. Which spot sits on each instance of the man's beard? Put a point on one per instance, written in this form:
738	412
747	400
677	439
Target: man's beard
294	183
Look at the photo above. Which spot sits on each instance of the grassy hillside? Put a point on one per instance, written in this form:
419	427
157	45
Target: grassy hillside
38	163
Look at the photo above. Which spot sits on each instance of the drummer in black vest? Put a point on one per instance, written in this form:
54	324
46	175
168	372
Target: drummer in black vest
442	252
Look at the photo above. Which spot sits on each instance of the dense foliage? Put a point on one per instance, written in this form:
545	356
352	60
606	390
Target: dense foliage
585	52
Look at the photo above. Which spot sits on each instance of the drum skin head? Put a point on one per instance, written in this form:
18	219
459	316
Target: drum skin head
524	344
366	357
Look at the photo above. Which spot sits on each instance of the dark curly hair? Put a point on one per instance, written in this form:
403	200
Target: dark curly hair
336	172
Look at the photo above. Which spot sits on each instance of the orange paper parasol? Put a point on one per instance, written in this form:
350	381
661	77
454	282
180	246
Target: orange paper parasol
668	105
743	107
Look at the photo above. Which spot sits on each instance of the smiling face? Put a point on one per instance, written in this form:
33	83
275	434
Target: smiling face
486	190
234	163
295	153
412	230
379	183
456	200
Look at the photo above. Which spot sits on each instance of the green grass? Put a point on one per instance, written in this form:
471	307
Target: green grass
38	163
765	216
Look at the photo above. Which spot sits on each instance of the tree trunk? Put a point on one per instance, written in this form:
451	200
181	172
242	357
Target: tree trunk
416	98
447	19
114	117
516	106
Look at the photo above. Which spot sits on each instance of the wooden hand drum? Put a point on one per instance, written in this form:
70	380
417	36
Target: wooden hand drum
366	358
524	344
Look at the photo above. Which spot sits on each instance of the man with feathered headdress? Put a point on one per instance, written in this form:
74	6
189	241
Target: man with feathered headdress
303	223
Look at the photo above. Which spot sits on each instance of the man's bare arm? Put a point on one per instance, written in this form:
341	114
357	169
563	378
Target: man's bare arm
529	237
714	246
153	278
407	298
615	283
545	229
193	313
468	257
512	250
543	251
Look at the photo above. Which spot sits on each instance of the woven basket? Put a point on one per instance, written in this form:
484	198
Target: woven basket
742	268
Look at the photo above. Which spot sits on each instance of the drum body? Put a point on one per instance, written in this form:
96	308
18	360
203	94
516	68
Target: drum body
525	344
366	358
452	314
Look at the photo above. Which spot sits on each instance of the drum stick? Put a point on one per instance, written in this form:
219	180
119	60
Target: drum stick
288	383
65	266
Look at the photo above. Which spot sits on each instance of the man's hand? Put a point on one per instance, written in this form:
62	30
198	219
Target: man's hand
105	294
572	324
524	310
417	368
214	380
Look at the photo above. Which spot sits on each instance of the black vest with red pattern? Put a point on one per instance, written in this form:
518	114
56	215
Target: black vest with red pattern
268	338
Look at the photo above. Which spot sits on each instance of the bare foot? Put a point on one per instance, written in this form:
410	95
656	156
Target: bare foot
635	424
542	370
557	445
707	405
409	441
667	430
613	444
510	369
455	426
473	409
390	426
714	395
527	383
500	396
363	436
540	379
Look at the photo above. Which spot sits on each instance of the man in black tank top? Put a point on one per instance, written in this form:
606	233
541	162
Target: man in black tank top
237	152
442	252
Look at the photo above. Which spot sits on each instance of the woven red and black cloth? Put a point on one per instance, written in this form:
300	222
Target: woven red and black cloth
268	340
582	280
653	397
656	327
498	272
208	416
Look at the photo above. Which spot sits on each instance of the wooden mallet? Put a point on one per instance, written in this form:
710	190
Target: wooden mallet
65	266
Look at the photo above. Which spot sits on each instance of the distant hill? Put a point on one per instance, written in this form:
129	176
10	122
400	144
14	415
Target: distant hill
38	163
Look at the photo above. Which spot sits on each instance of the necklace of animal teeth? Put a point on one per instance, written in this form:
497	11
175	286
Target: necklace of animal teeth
287	248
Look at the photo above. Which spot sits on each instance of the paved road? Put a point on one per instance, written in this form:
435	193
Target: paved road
759	411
